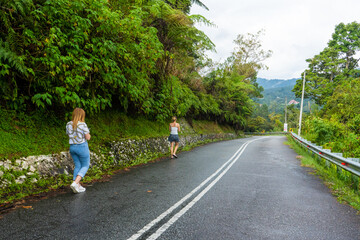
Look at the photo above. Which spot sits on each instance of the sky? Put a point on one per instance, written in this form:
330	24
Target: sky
294	30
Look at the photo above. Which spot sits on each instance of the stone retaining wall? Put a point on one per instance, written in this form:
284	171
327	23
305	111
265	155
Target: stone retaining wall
121	152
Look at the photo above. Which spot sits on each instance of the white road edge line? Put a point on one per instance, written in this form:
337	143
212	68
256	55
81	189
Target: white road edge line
166	225
176	205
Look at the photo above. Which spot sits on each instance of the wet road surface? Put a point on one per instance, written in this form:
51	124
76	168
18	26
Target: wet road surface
251	188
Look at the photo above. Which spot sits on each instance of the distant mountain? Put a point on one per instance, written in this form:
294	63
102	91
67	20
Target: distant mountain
276	83
275	92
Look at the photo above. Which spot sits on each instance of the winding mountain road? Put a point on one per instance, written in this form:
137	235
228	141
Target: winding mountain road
251	188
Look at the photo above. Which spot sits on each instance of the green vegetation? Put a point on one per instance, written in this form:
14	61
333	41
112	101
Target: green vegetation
105	127
272	105
343	184
115	60
16	191
336	65
141	58
133	64
207	127
332	81
24	135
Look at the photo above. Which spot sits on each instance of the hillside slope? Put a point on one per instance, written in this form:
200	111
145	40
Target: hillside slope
275	93
276	83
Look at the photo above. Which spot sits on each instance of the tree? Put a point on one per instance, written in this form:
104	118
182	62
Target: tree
185	5
344	105
13	13
183	46
323	74
248	56
233	83
336	63
346	40
292	116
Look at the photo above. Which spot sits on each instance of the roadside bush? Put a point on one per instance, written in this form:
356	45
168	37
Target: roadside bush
334	135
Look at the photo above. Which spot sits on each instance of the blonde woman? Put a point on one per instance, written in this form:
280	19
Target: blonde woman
79	134
174	129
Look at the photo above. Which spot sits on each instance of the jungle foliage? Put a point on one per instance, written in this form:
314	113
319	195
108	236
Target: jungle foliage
332	81
136	57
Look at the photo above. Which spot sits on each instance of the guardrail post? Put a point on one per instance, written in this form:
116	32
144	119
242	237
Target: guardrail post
355	182
339	169
328	165
318	159
339	172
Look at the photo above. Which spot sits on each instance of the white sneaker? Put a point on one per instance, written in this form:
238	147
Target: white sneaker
81	189
75	187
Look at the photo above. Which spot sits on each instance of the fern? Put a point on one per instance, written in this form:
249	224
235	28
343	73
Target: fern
20	7
11	58
10	8
199	3
201	19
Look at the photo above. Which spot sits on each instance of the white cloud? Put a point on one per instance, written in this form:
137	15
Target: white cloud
294	30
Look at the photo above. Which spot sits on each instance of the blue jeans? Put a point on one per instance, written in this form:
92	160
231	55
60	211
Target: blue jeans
81	156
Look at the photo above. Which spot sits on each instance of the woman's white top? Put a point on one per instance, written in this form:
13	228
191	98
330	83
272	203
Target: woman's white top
77	136
174	131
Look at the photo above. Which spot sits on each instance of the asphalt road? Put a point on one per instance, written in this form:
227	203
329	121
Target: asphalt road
251	188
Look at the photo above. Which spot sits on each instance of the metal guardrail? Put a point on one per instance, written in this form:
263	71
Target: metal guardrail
349	164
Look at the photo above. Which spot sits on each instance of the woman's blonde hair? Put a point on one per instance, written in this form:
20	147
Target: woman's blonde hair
78	115
173	118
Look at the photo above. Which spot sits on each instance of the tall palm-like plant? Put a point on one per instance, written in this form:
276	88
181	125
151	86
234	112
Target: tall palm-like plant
12	13
185	5
199	3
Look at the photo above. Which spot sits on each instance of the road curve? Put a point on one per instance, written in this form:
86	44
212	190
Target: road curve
251	188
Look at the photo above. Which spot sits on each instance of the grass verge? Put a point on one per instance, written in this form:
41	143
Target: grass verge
342	184
22	194
42	133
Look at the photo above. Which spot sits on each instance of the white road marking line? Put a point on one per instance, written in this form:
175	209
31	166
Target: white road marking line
176	205
164	227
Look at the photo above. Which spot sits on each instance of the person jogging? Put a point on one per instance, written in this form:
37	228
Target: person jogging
174	129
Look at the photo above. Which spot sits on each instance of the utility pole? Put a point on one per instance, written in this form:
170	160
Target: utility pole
302	101
285	123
